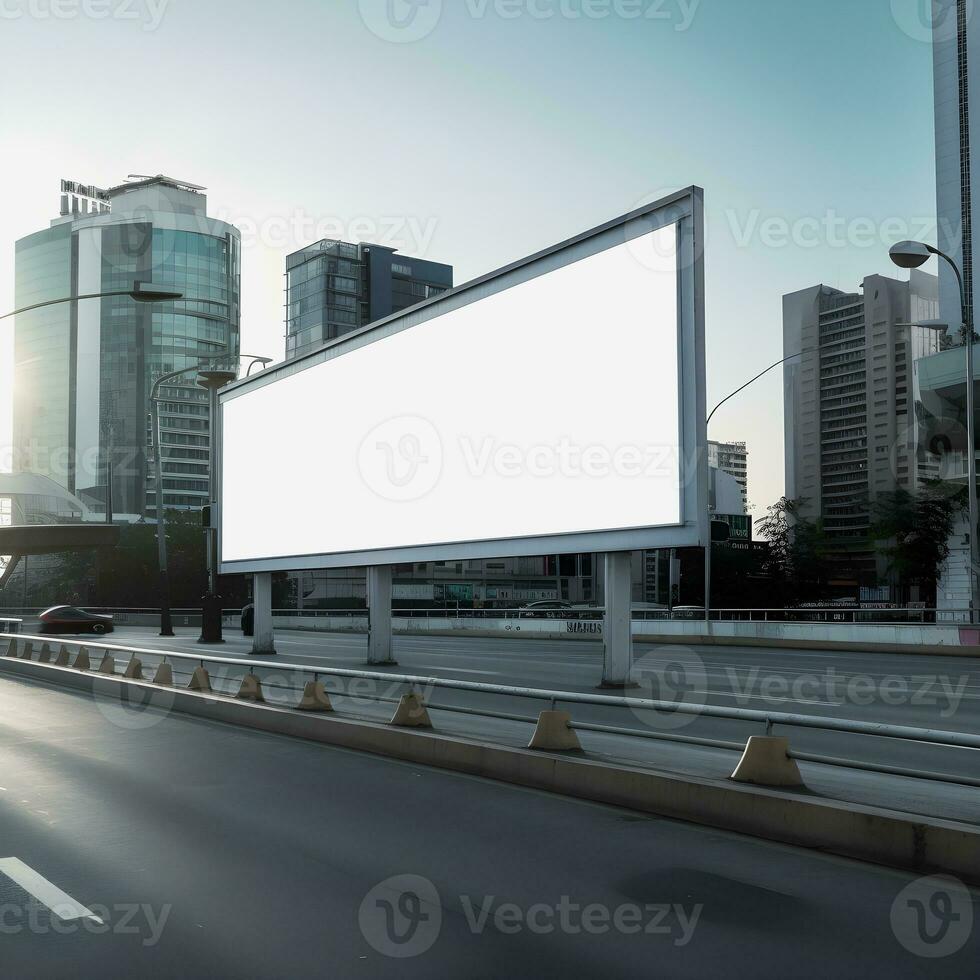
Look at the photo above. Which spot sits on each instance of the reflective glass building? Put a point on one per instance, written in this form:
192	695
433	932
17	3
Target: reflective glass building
85	370
334	287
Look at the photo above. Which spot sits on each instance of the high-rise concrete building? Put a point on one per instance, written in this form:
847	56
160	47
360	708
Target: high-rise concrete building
849	406
335	287
956	47
941	380
84	370
732	458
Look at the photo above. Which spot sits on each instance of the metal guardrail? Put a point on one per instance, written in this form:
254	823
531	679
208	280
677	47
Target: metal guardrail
767	719
821	616
10	625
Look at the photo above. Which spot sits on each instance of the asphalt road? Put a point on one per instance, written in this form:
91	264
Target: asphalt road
207	851
923	691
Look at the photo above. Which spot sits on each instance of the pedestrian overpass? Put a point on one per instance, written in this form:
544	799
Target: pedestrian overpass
21	540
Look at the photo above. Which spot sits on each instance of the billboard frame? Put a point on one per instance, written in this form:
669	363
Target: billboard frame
685	209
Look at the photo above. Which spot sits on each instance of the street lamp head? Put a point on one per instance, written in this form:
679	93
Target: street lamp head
264	361
910	255
147	292
215	378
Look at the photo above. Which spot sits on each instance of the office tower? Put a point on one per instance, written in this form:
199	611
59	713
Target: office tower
956	31
849	406
85	369
335	287
731	458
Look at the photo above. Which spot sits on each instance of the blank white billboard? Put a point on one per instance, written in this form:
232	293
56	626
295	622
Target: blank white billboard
548	408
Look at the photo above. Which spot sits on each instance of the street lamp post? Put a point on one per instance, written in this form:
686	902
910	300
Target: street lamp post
142	292
166	620
912	255
212	381
728	398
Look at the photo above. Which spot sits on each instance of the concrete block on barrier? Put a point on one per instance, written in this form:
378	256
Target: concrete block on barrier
108	665
165	673
27	652
44	657
63	657
766	762
411	712
554	733
251	689
315	698
200	681
11	648
134	670
82	661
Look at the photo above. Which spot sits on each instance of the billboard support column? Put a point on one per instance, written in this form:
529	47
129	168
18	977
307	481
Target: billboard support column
617	630
263	637
379	616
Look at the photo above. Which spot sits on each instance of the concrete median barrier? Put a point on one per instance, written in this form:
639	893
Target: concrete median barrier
63	657
411	712
82	661
251	689
164	677
554	733
200	681
766	762
44	656
27	651
134	670
888	837
108	664
315	698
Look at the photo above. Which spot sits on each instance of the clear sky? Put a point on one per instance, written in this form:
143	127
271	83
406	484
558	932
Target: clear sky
502	127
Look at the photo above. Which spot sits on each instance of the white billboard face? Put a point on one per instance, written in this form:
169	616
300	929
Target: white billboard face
548	408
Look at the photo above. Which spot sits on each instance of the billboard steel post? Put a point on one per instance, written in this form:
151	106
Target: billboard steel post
379	616
263	635
617	631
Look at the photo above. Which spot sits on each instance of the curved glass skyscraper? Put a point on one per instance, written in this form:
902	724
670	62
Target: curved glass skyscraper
85	370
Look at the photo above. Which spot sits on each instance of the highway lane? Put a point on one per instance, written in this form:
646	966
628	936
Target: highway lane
208	851
701	676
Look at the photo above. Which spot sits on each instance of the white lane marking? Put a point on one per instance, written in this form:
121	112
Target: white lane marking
456	670
62	905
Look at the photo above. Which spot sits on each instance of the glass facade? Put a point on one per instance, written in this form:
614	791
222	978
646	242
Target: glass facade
207	270
43	356
140	343
324	293
335	287
85	371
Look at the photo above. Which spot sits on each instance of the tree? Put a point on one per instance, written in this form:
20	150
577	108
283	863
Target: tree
913	530
797	564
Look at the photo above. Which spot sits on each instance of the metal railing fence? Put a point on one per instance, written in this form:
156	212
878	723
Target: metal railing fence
767	720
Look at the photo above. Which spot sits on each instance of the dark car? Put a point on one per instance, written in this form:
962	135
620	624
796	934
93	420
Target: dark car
546	609
69	619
